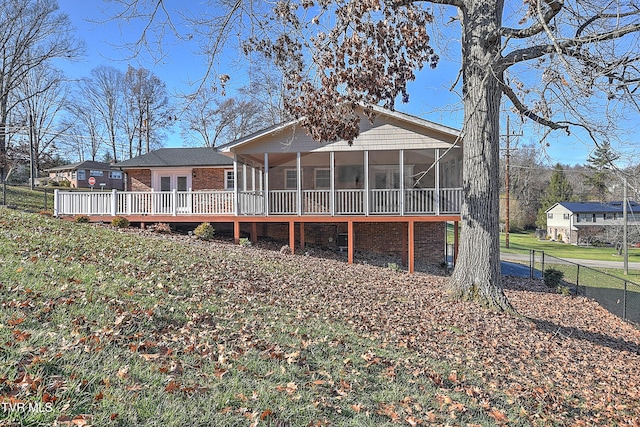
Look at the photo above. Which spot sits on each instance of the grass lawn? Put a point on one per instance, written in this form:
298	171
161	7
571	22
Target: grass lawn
104	328
119	328
25	199
521	242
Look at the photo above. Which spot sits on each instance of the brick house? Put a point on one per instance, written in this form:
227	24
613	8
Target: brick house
392	191
181	169
78	175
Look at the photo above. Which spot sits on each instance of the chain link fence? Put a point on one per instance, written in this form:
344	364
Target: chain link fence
620	296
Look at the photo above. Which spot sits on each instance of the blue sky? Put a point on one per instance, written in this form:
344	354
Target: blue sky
430	95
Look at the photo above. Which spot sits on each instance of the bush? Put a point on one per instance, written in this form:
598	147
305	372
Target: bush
81	219
65	183
162	227
46	213
204	231
393	266
553	278
244	242
120	222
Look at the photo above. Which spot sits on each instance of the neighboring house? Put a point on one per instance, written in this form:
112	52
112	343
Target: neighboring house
107	176
575	222
181	169
391	191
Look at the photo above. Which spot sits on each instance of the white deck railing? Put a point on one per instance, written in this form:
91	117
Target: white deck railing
422	201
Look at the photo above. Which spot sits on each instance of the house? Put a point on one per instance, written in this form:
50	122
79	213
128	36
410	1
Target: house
575	222
181	169
78	175
393	190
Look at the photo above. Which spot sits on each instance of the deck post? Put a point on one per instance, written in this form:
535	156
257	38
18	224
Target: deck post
302	236
412	250
236	231
254	233
174	202
437	183
332	183
253	178
56	202
292	237
402	178
244	177
366	183
350	241
236	201
298	184
114	202
266	184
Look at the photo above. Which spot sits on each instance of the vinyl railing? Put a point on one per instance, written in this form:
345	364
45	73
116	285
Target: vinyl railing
281	202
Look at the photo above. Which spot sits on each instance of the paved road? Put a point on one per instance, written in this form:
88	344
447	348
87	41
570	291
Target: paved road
516	269
518	264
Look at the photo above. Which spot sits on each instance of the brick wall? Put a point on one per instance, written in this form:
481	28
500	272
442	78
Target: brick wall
382	238
139	180
208	179
429	241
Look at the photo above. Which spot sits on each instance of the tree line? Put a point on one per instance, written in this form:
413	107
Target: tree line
535	186
111	114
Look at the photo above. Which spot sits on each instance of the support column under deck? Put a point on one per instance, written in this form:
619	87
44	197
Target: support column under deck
412	250
236	231
254	233
350	241
292	236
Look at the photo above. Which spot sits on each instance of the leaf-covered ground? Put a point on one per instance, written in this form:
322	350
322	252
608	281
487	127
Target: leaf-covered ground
104	327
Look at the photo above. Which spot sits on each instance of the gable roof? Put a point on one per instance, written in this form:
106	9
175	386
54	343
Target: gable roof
88	164
177	157
594	207
408	120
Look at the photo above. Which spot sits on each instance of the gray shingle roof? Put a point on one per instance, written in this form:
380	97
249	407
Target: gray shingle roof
596	207
88	164
177	157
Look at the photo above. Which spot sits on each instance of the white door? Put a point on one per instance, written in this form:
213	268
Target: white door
168	180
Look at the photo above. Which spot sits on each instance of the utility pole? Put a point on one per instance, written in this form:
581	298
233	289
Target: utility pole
625	244
506	221
31	162
507	185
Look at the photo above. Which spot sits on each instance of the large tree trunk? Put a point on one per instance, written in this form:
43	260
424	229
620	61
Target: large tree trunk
477	273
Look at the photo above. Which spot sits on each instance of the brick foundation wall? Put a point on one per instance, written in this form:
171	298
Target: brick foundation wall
382	238
429	242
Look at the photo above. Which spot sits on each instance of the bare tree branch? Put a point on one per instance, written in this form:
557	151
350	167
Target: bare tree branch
555	6
525	111
566	47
